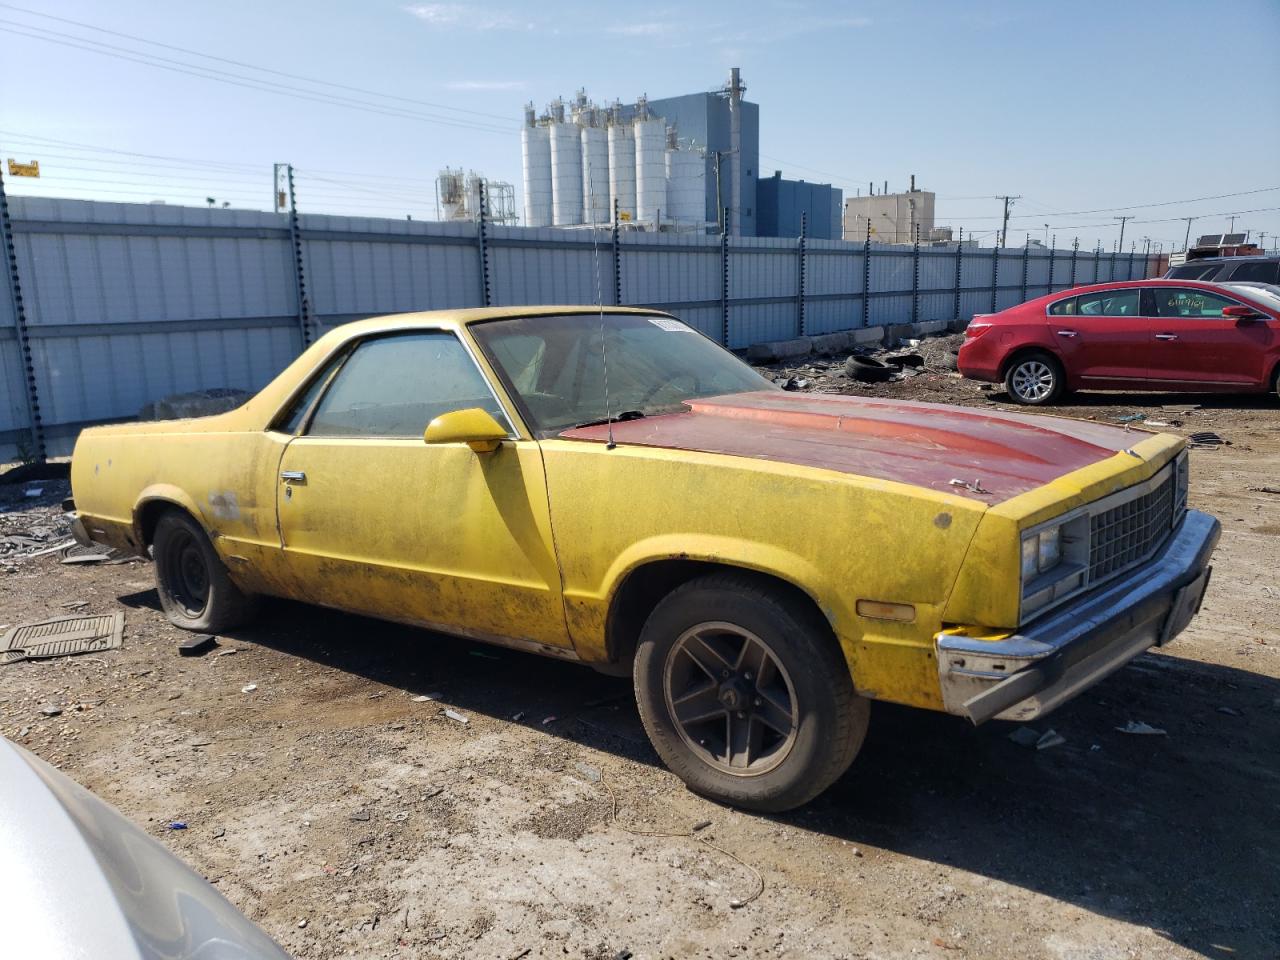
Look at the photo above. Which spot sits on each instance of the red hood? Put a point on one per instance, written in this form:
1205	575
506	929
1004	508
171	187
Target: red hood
924	444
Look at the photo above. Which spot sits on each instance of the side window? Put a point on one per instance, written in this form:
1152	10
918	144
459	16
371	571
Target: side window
1063	308
291	419
395	386
1194	271
1189	303
1258	271
1109	303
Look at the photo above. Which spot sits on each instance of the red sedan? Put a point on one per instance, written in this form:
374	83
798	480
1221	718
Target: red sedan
1174	335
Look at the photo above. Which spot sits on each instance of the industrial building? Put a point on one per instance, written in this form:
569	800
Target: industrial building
458	197
780	204
893	217
679	163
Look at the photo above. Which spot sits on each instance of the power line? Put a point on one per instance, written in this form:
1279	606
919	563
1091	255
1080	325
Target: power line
1136	206
250	66
71	144
236	80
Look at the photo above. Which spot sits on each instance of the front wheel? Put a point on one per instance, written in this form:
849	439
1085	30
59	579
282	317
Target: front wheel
195	589
745	694
1035	379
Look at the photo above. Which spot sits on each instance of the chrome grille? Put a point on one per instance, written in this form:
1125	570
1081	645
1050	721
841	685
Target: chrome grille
1131	531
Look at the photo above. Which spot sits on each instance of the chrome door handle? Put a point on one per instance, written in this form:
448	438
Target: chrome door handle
293	476
1067	333
1166	336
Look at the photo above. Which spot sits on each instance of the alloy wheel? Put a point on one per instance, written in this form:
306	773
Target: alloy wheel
730	698
1033	381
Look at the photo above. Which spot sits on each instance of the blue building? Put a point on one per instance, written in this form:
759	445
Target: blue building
779	204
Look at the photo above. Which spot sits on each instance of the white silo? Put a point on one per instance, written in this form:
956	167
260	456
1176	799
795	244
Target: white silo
622	168
686	187
651	167
566	173
595	174
535	142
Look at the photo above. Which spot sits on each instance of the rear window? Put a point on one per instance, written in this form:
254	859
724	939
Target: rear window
1194	271
1063	308
1258	271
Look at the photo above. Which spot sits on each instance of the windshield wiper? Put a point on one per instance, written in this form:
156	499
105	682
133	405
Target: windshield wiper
620	418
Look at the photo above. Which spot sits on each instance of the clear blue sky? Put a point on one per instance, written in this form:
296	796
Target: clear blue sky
1077	106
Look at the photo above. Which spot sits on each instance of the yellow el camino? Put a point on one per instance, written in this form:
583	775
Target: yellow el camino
613	488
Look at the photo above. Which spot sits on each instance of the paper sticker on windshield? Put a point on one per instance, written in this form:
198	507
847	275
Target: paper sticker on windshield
666	323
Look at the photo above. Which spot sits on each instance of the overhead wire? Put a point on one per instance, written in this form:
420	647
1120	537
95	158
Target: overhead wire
250	83
251	66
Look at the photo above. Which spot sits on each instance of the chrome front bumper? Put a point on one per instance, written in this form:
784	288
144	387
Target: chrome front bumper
1068	650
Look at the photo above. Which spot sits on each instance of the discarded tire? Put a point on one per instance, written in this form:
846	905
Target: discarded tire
868	369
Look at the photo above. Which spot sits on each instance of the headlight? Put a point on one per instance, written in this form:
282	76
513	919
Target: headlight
1041	552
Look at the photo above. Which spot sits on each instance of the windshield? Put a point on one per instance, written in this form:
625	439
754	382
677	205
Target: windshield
555	366
1266	294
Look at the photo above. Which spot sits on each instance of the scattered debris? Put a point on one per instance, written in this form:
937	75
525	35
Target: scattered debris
51	710
588	771
427	697
868	369
1131	418
1207	438
701	825
360	816
455	715
1025	736
62	637
1141	727
177	825
1051	738
517	717
975	486
198	645
1275	490
1230	711
1157	423
249	688
302	924
76	553
547	720
219	833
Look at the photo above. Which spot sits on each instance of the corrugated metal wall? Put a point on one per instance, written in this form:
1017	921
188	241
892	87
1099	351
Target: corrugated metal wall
126	303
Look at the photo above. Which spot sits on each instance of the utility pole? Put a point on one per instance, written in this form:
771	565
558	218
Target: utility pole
1232	228
1004	231
1123	221
1186	242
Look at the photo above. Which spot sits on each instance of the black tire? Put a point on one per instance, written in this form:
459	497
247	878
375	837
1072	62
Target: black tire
1035	379
868	369
195	590
828	719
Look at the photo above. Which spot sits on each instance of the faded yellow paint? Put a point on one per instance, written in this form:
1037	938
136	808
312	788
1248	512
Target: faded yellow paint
530	543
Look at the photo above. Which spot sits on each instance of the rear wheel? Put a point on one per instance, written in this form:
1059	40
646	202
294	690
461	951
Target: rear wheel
195	590
745	694
1035	379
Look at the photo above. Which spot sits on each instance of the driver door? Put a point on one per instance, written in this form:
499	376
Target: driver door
376	521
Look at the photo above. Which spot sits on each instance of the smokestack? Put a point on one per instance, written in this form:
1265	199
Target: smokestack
886	187
871	189
913	183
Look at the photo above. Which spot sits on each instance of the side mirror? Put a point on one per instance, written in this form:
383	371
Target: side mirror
473	426
1238	311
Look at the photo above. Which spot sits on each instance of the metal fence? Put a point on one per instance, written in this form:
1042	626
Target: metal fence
111	305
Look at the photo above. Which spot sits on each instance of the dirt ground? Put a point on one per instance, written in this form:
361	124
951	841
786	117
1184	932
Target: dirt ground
350	817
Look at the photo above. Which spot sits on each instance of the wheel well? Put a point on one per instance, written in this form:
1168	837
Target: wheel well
646	585
1023	352
148	515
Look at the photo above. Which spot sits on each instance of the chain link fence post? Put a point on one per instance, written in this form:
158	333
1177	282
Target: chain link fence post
959	269
724	279
1052	244
866	277
482	243
1075	253
800	277
38	451
299	269
915	276
995	274
617	258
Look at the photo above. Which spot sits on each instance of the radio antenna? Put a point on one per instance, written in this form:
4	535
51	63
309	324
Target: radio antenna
595	255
